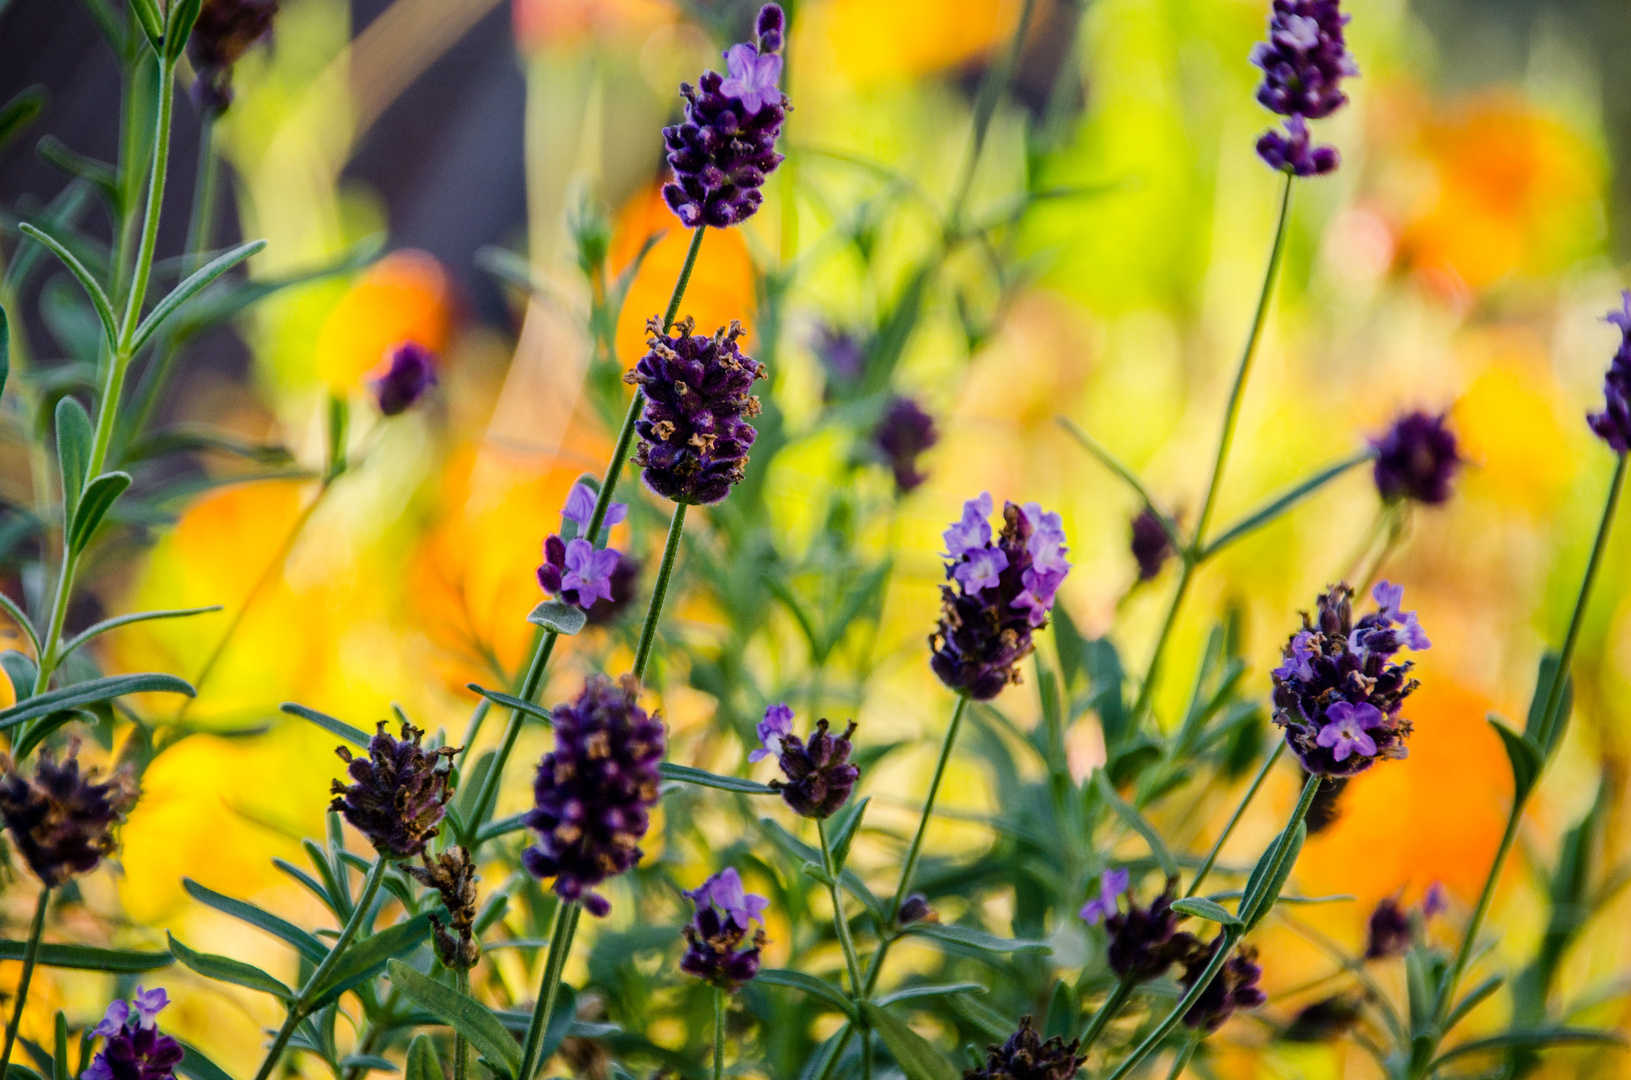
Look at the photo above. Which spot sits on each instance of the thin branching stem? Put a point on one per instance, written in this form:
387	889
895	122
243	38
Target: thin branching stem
560	946
31	954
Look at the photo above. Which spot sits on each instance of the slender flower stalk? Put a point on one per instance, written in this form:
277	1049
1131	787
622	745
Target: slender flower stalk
560	946
1234	819
1119	996
719	1033
909	868
31	954
665	571
840	922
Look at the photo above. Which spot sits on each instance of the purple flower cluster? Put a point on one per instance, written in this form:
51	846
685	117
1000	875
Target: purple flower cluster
1025	1056
61	820
574	569
819	774
1613	424
1304	62
1338	693
223	33
594	792
726	145
694	438
1416	459
1234	986
1004	590
1146	941
135	1048
1151	546
398	794
719	950
410	372
904	432
1392	927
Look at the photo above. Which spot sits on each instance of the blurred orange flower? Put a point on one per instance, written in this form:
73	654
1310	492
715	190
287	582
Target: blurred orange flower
556	22
403	297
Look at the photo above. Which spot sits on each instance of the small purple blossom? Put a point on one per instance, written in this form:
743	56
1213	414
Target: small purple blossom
1344	730
578	572
1416	459
1613	424
410	371
1112	883
1389	596
589	572
981	570
1151	546
724	892
905	432
752	79
1145	940
1388	932
973	530
1435	900
149	1003
134	1049
1294	152
772	731
715	936
580	508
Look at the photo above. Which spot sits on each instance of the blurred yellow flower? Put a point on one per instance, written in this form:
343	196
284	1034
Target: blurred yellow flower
903	39
403	297
1515	393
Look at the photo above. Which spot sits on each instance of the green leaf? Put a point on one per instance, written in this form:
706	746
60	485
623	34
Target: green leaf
1472	1000
1535	1039
510	701
225	969
368	957
32	735
561	1019
917	1058
338	728
189	288
59	1056
189	438
809	984
147	14
91	692
105	625
22	673
702	778
976	939
100	495
1282	503
845	825
99	299
1536	719
463	1014
15	1071
281	929
912	993
369	1063
1202	908
87	958
19	112
1269	877
1138	823
183	14
1064	1011
20	617
195	1066
1525	757
422	1063
559	616
99	174
74	439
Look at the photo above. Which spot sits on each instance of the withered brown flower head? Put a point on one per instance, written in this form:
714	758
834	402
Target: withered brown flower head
453	875
61	820
399	793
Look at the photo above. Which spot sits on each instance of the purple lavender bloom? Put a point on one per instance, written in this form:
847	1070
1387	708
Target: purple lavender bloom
225	30
726	145
625	576
61	821
915	908
1294	152
398	794
1304	59
694	433
1389	932
773	731
905	432
1435	900
1151	545
588	572
594	792
1416	459
1112	883
1613	424
1005	590
579	573
135	1048
716	934
841	352
1146	941
1338	693
1025	1056
1234	987
580	508
819	774
410	371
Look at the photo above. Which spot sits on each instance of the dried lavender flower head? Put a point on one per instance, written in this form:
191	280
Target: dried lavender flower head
694	432
594	792
1146	941
398	794
410	372
819	774
1025	1056
1339	692
60	819
574	569
1613	424
1388	932
1234	987
719	948
134	1049
915	909
726	145
1151	546
225	30
1324	1020
1304	62
1004	587
904	432
1416	459
452	874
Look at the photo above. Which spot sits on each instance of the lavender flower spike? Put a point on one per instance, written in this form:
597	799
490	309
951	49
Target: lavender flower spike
61	820
398	794
1112	883
1304	62
1025	1056
904	432
1416	459
819	774
716	934
1613	424
574	569
135	1048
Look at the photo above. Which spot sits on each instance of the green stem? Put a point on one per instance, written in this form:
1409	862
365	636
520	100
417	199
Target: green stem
1152	670
719	1033
1182	1060
201	226
488	795
560	944
30	954
461	979
684	280
648	633
839	921
909	867
299	1009
1230	937
1107	1012
1240	811
985	108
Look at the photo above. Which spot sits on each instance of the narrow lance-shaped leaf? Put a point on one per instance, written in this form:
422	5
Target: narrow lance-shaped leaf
225	969
809	984
97	629
99	299
335	727
463	1014
194	284
510	701
74	437
92	691
368	957
422	1063
100	495
89	958
281	929
1525	757
686	774
915	1055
